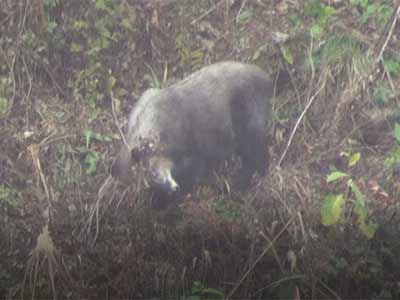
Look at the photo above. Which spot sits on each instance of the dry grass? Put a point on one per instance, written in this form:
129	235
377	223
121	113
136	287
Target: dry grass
69	232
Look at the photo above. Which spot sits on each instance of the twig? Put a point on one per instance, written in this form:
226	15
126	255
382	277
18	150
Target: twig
299	120
394	18
21	25
348	93
34	150
274	252
280	281
329	289
285	64
206	13
117	122
48	140
240	10
27	96
259	258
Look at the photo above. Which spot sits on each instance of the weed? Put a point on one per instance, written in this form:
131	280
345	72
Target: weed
392	65
392	160
373	12
188	54
332	209
245	16
226	209
345	55
94	39
323	15
383	93
8	196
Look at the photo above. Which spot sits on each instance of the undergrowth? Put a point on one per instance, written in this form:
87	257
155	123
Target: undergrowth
322	224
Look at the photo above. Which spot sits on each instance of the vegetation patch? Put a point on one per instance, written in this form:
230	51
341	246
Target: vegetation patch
322	224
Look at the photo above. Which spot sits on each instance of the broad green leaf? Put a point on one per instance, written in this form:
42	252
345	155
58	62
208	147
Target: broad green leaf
359	195
332	209
316	31
397	132
335	176
368	229
360	207
354	159
361	210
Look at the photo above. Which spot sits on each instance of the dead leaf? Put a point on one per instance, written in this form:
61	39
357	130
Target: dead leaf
154	18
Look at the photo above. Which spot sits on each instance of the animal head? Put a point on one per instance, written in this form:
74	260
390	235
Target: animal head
160	169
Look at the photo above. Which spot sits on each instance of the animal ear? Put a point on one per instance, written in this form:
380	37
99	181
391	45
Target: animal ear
122	165
135	155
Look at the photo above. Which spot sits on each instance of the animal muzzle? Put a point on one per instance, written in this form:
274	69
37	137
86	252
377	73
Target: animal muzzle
171	185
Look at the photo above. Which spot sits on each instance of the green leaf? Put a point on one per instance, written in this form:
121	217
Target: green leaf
327	14
369	229
88	136
105	5
76	47
356	191
111	82
316	31
8	196
397	132
392	65
353	160
332	209
393	158
383	92
245	16
92	158
80	25
362	3
5	192
313	8
360	207
336	176
4	106
287	55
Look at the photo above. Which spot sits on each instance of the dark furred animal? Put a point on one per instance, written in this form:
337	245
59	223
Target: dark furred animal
181	132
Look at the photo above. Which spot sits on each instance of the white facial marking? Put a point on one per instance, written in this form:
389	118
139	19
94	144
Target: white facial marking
160	171
172	182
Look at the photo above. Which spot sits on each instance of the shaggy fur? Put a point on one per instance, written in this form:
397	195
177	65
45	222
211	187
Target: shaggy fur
199	122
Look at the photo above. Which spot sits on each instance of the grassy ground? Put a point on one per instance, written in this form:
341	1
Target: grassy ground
323	224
